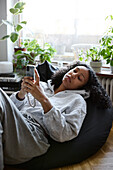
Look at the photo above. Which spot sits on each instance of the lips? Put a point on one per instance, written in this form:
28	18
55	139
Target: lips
68	78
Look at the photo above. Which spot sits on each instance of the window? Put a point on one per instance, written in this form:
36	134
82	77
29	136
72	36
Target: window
63	23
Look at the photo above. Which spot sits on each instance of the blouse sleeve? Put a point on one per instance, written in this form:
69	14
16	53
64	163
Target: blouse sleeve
19	103
64	125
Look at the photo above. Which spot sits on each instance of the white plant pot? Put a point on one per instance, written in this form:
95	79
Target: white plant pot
111	67
96	65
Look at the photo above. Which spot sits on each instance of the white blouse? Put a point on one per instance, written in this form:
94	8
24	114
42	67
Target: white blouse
63	122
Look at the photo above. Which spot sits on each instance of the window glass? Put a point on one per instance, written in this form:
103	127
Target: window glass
63	23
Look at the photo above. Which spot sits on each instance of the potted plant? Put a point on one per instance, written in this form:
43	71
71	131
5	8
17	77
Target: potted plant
107	49
92	55
45	53
33	50
16	26
107	45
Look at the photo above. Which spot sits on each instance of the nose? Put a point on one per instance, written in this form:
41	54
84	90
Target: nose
74	75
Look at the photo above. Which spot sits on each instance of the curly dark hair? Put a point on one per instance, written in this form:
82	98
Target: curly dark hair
98	94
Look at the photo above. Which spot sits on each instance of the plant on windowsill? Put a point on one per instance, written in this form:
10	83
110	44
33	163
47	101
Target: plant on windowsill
105	48
33	50
107	45
16	26
92	55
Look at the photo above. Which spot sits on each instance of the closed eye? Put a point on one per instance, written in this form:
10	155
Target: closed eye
74	71
79	78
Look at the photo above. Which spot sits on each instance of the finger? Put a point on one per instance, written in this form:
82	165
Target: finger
26	77
27	90
28	86
37	77
22	84
27	81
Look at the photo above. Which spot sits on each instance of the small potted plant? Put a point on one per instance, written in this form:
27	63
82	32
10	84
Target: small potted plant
107	49
107	45
46	53
103	50
92	55
33	50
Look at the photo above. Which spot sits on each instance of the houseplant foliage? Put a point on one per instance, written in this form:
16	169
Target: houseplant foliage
33	49
16	26
106	43
93	55
107	48
103	50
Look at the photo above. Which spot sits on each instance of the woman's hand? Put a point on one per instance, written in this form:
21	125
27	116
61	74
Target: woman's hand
22	92
33	87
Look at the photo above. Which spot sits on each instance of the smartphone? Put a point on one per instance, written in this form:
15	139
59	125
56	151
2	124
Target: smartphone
30	71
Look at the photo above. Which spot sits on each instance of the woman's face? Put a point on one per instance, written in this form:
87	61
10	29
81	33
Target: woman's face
75	78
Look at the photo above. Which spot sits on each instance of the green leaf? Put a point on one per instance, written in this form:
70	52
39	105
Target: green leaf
21	10
14	10
106	18
24	22
5	37
6	22
111	62
14	36
20	5
18	28
107	61
109	16
80	58
18	52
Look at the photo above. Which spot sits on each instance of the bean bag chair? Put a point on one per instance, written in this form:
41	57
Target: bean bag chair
92	136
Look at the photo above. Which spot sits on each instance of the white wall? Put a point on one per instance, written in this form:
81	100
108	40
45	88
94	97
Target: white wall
3	31
6	46
10	45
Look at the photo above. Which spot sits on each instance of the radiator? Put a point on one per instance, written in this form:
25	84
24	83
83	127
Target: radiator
107	83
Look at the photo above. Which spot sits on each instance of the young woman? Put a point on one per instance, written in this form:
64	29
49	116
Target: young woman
59	112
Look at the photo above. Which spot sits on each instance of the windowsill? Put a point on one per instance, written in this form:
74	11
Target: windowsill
67	56
62	60
105	73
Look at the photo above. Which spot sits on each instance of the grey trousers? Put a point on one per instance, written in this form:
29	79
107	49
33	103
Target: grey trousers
20	138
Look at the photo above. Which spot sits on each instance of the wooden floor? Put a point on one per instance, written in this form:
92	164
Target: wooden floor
102	160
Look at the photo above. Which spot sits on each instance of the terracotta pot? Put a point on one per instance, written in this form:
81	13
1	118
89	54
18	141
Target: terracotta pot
19	48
